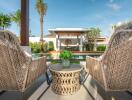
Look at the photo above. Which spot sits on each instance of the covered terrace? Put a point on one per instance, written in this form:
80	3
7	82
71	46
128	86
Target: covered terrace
40	90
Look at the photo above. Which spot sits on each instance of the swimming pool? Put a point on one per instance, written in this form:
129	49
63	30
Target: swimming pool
83	57
75	56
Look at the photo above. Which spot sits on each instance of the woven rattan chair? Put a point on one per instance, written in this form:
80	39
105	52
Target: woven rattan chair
17	69
113	70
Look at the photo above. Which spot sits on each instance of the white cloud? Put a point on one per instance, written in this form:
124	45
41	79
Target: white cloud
114	6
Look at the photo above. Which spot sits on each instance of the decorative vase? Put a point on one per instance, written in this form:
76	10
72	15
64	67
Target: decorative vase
66	63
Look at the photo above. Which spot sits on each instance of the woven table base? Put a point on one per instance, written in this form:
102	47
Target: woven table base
65	83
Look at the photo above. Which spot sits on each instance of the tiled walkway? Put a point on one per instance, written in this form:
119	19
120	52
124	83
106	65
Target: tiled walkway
82	94
89	91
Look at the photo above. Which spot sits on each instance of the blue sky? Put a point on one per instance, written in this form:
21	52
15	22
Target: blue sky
74	13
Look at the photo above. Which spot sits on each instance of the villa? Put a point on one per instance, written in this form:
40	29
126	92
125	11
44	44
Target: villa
68	38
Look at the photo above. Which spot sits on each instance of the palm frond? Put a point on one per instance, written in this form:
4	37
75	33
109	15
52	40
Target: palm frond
41	7
16	17
5	20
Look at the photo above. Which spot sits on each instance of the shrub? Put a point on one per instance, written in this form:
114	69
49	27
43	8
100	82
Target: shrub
59	61
89	47
65	55
36	47
50	46
45	47
101	48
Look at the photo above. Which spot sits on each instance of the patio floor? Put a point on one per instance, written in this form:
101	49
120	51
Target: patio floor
89	91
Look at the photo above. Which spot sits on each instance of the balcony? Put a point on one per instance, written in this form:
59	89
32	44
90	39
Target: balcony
107	77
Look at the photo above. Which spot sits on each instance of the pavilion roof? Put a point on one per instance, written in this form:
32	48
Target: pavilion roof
68	30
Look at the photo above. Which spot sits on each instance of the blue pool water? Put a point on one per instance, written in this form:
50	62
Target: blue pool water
75	56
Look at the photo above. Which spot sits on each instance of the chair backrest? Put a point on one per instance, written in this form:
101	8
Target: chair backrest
117	60
12	62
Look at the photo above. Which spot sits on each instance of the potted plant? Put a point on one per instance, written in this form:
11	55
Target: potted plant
65	56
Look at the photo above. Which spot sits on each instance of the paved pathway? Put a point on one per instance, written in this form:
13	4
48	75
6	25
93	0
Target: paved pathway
89	91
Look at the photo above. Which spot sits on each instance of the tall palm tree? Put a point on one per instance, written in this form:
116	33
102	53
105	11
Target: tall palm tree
16	17
41	9
5	21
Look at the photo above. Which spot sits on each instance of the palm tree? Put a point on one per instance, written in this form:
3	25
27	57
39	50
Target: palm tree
5	21
16	17
41	9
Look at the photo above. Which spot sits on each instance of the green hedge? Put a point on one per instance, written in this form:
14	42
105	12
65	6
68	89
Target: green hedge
50	46
36	47
101	48
88	47
59	61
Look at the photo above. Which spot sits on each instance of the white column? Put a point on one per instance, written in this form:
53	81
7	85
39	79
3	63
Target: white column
58	44
81	43
95	44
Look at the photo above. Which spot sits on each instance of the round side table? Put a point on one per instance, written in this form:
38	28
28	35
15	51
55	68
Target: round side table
65	80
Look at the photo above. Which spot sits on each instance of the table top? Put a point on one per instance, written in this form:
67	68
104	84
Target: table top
59	68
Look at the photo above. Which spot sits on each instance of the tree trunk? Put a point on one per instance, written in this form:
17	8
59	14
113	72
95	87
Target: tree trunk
41	38
41	28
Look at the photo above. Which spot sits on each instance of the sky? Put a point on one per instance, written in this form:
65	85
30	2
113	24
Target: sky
73	14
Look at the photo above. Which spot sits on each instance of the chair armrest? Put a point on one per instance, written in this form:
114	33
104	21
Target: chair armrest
39	61
36	68
94	68
27	51
92	62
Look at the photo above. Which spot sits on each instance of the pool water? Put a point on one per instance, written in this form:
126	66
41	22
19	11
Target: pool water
75	56
79	57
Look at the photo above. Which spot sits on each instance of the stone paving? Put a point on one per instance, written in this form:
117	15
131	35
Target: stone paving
91	90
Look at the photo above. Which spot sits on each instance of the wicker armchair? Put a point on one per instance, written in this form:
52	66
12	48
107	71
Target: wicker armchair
113	70
17	69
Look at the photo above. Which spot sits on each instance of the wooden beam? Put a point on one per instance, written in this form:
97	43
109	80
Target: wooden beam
24	35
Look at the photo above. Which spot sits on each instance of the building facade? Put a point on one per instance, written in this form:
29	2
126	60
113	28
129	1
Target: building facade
68	38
